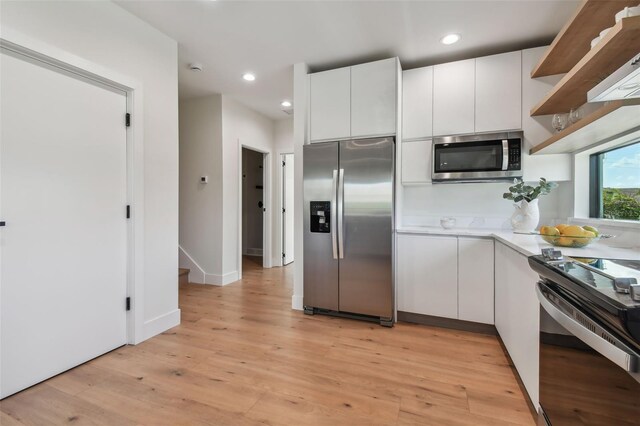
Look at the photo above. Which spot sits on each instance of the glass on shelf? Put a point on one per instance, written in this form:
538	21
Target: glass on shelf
559	121
575	115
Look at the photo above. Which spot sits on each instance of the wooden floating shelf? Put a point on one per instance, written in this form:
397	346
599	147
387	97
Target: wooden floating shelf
615	118
573	41
620	45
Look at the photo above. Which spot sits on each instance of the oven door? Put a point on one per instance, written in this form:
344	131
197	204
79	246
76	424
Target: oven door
588	376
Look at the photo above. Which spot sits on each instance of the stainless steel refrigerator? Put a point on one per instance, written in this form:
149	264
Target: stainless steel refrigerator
348	214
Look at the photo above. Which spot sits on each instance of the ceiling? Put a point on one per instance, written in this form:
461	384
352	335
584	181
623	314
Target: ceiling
267	37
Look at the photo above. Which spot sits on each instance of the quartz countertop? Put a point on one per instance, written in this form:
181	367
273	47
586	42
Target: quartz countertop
529	245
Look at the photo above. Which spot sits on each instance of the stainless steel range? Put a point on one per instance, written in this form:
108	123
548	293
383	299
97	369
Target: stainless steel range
589	340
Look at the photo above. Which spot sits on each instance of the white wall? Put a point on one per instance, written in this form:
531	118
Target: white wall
283	145
200	204
107	35
300	91
242	126
482	202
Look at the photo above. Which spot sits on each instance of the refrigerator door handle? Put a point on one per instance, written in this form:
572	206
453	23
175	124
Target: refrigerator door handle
333	230
341	214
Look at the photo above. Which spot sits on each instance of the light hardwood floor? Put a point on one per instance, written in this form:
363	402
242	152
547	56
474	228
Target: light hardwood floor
241	357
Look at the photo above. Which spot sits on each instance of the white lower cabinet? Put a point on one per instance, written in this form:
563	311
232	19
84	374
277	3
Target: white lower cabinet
475	279
517	314
445	276
427	268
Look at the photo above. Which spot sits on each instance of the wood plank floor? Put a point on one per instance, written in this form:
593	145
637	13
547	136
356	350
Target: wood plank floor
242	357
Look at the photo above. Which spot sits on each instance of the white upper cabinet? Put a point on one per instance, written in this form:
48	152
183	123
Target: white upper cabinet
330	104
374	97
416	161
453	98
498	94
354	102
475	280
417	103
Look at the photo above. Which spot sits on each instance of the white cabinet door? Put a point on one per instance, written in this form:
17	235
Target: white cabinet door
517	314
374	98
330	104
427	271
499	92
453	98
475	280
417	103
416	162
537	129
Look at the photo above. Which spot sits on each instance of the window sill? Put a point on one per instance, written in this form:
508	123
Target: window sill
616	223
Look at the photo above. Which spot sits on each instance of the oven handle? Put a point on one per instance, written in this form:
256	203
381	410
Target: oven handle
618	353
505	154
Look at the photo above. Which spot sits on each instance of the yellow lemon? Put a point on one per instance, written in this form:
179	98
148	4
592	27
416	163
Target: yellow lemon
549	230
573	231
561	227
591	229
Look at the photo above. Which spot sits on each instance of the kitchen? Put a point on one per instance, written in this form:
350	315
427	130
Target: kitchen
463	214
452	234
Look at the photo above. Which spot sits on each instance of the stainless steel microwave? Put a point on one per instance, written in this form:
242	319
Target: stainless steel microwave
473	158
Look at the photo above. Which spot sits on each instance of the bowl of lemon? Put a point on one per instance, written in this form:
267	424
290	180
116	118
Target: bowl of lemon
564	235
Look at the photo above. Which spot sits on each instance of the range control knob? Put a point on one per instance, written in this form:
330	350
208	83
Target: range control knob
623	285
634	292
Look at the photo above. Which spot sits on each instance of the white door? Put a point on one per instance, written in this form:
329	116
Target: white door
287	209
63	197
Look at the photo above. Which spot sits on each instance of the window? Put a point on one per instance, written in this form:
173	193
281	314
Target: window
614	191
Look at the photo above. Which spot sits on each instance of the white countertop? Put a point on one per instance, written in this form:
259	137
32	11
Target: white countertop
529	245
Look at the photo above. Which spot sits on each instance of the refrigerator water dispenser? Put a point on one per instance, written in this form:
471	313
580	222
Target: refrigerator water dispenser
320	216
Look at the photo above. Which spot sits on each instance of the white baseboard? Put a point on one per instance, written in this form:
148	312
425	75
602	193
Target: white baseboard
160	324
196	273
252	252
215	279
297	303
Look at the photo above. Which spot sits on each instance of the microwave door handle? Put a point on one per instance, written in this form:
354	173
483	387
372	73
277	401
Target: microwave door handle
333	230
625	358
505	154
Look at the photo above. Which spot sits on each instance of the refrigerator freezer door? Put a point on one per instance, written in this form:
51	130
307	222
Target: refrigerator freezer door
321	278
366	279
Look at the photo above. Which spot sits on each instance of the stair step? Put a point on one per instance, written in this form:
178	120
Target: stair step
183	276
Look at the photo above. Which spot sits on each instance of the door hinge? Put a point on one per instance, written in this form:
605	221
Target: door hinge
283	255
128	211
283	164
284	210
128	303
127	120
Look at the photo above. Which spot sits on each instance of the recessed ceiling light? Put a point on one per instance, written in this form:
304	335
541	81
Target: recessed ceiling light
450	39
285	104
248	76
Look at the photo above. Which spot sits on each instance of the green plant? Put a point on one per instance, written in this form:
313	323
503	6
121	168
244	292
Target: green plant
618	205
520	191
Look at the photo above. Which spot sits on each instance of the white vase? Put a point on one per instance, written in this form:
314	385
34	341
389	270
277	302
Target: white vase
526	216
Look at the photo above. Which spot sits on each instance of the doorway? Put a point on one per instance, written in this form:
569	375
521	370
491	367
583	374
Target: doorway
287	209
253	206
65	240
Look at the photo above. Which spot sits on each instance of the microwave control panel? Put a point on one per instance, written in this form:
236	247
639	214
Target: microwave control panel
515	162
320	212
